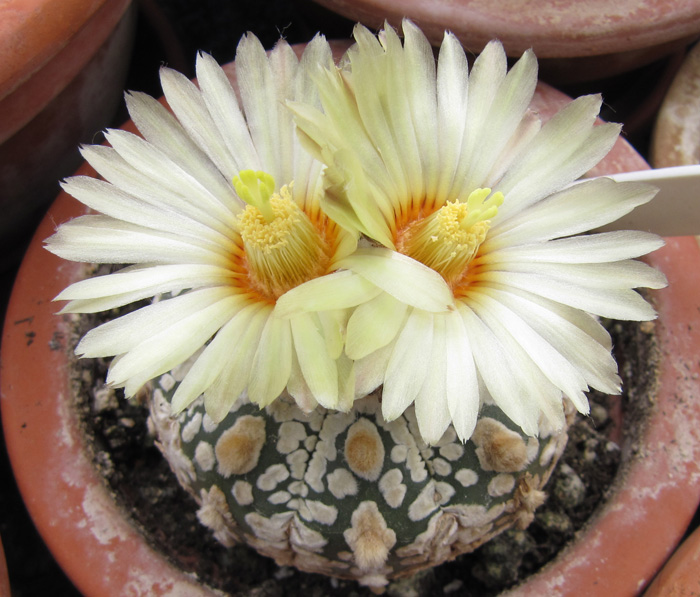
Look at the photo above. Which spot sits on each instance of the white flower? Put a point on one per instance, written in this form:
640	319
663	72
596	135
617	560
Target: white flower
173	204
471	198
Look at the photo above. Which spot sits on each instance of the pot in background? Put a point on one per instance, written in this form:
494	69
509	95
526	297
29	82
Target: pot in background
61	80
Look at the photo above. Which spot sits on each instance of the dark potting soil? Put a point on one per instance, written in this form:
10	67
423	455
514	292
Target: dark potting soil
144	486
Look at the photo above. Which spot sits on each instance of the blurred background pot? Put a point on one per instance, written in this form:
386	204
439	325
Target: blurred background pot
574	41
64	63
88	531
676	139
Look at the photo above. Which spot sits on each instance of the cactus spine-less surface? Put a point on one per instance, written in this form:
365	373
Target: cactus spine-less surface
348	494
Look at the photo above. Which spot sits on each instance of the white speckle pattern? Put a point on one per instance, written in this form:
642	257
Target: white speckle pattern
204	456
341	483
501	485
467	477
209	424
392	488
291	433
299	488
273	475
167	382
399	454
452	451
321	512
242	492
433	495
297	463
279	497
441	467
192	427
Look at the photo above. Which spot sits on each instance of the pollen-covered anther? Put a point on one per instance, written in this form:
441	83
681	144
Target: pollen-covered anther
283	249
448	239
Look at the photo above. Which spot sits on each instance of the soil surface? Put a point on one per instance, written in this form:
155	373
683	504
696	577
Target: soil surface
145	487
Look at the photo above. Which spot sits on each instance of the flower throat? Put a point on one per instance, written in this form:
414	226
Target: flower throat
283	249
449	238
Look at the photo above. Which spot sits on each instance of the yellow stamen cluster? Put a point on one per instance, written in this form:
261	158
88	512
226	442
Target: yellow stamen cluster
283	249
449	239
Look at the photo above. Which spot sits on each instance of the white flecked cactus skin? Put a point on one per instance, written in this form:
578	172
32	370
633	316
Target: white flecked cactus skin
348	494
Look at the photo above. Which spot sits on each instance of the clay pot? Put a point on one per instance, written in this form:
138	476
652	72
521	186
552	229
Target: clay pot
4	576
676	139
574	41
676	142
655	494
61	80
680	575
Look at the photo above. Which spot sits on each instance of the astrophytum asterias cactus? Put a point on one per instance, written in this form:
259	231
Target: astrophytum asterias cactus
349	494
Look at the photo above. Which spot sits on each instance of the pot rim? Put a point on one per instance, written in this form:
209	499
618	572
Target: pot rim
554	29
86	529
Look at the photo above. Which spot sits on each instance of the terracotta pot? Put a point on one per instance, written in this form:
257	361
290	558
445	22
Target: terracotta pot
4	577
676	139
575	41
680	576
61	80
676	142
87	531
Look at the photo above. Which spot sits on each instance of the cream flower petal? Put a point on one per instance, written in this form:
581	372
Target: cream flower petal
111	201
407	367
614	303
619	274
225	390
171	345
318	369
498	372
339	290
135	283
575	342
567	147
374	324
272	364
299	389
190	109
222	104
452	97
217	358
604	247
462	386
156	166
431	403
100	239
577	209
160	128
405	279
128	331
113	168
551	363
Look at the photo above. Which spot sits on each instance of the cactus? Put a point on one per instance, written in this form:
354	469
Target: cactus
348	494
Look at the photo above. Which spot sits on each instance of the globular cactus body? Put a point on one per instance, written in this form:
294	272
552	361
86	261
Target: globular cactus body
349	494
